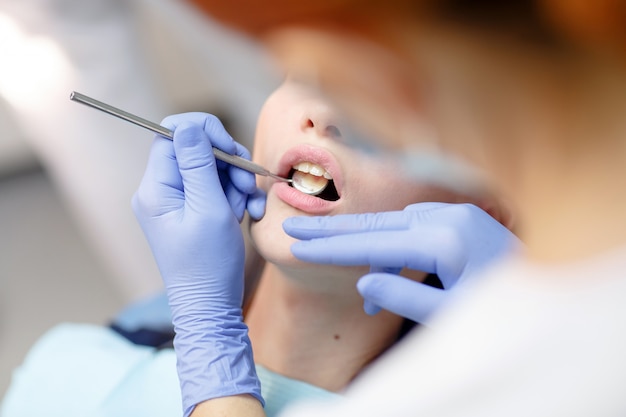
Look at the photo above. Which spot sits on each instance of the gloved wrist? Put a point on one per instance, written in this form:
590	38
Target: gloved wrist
213	351
214	359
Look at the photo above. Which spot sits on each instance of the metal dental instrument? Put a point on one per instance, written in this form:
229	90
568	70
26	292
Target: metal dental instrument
237	161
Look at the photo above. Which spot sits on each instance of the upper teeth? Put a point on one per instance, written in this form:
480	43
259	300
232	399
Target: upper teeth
313	169
310	178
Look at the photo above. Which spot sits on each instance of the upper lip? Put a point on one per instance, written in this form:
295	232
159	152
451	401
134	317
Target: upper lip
316	155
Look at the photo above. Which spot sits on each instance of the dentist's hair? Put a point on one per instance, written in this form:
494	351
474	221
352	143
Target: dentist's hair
597	24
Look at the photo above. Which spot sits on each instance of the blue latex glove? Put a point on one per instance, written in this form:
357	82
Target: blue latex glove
451	240
189	206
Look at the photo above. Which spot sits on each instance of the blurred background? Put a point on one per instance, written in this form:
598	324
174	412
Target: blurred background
70	249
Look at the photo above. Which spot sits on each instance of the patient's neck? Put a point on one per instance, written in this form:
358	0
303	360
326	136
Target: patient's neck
317	336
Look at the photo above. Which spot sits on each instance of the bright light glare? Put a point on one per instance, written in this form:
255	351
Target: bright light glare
32	66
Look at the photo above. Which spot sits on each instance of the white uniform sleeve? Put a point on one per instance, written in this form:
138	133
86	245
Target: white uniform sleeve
530	340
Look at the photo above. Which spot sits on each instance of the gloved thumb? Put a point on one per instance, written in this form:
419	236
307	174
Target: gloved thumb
402	296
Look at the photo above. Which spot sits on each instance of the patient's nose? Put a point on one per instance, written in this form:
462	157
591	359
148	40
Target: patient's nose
322	121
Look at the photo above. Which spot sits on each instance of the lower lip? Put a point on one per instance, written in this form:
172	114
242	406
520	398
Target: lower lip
301	201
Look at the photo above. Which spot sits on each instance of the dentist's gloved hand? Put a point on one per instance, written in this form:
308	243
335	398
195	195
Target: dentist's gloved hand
453	241
189	206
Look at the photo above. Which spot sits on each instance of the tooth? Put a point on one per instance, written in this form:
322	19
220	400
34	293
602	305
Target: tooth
313	169
317	170
303	166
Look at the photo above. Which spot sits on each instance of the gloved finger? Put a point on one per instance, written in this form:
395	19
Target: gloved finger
256	204
210	124
236	199
238	184
303	227
194	154
306	227
219	138
420	251
369	307
245	181
426	206
387	270
160	190
400	295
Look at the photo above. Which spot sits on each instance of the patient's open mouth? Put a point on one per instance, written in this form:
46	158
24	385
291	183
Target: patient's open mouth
313	179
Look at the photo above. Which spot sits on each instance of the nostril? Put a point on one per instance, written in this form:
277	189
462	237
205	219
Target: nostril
322	127
333	131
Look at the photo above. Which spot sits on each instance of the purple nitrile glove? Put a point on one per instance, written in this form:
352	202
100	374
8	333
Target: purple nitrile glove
189	206
453	241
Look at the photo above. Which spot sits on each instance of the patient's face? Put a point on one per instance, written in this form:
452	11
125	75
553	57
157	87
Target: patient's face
298	130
